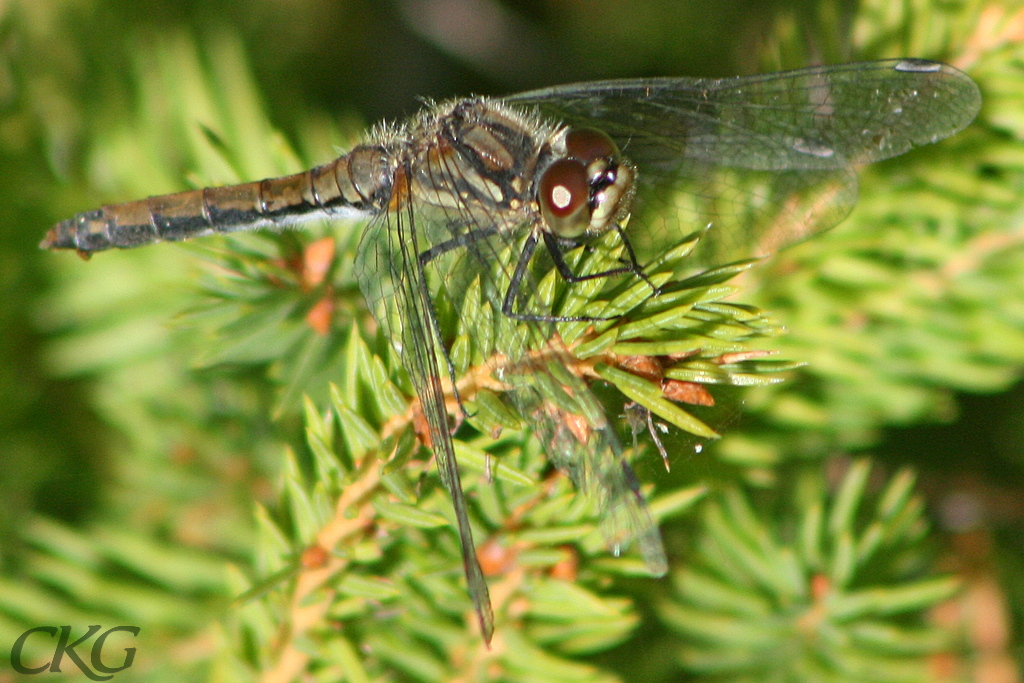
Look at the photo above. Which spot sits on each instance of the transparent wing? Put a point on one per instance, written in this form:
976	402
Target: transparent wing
576	435
396	291
764	160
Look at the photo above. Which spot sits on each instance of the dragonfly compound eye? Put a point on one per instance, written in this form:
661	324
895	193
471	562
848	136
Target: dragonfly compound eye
587	144
596	151
564	197
589	188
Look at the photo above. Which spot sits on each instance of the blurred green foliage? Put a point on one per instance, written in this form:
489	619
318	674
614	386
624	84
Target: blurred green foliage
149	399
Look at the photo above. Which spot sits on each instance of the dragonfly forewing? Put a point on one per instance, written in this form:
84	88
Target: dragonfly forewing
717	144
393	282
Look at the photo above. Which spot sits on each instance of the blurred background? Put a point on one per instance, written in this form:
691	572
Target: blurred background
116	442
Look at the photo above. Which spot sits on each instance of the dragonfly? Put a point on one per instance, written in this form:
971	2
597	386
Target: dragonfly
482	187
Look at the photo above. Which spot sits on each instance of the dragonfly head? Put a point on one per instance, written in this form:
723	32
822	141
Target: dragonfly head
587	188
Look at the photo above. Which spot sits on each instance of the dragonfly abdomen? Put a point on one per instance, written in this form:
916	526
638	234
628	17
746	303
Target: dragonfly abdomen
353	185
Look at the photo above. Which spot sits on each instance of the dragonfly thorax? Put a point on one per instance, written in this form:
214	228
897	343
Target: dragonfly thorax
587	188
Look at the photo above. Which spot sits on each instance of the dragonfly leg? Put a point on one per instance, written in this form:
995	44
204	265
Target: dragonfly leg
454	243
555	248
512	294
634	265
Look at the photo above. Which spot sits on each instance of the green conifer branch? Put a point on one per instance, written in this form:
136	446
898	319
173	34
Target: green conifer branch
840	600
